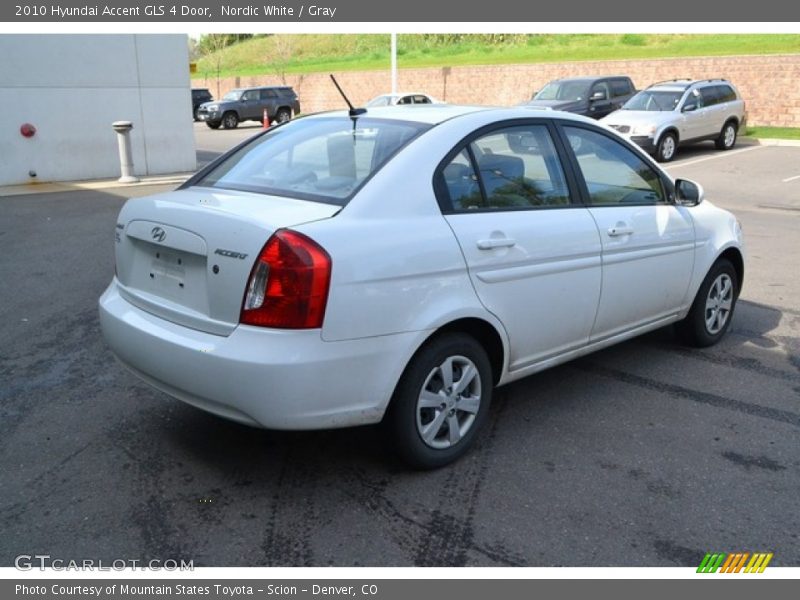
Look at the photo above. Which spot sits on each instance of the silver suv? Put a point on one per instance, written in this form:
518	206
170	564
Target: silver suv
681	111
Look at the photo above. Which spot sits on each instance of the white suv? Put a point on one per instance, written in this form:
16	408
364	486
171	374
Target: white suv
675	112
398	264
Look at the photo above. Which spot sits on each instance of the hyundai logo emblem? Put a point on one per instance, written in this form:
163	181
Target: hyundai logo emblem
158	234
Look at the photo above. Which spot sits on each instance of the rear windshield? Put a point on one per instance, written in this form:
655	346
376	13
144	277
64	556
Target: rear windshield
564	90
322	159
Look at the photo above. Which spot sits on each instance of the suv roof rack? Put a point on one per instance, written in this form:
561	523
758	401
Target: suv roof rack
683	80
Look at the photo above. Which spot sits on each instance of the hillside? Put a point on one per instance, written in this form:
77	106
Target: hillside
309	53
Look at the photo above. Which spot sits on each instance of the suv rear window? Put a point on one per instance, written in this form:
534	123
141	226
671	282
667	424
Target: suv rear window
322	159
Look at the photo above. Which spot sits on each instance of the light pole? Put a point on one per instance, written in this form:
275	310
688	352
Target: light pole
394	63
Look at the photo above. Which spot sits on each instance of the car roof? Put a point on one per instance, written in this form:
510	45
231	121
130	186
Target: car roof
587	78
399	94
433	114
263	87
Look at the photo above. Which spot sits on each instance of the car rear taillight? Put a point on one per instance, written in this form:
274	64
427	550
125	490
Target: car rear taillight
288	286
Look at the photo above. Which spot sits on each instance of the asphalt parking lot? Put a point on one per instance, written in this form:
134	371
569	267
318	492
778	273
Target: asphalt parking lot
645	454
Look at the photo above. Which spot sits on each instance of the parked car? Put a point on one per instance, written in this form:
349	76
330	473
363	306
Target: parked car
249	104
199	96
397	265
589	96
401	99
681	111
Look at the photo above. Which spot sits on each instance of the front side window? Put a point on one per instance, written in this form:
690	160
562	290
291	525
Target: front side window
711	95
614	175
507	169
694	98
324	159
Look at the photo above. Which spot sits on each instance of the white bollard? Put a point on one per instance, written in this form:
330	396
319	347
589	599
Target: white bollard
125	156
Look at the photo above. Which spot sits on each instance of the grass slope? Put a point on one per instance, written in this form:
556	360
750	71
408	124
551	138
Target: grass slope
309	53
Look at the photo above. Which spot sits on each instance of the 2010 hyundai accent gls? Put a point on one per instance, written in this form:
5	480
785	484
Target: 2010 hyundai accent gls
397	265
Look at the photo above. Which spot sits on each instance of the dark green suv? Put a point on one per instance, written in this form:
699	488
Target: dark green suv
249	104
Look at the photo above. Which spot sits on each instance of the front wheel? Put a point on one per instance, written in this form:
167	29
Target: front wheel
230	120
441	402
712	309
727	137
667	145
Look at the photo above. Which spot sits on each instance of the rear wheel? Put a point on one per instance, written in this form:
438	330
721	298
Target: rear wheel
441	402
230	120
283	115
712	309
667	145
727	137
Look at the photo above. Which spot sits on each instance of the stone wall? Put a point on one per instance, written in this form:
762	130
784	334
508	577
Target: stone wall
769	84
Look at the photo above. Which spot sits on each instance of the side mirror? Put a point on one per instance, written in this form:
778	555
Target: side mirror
598	95
533	94
689	107
688	192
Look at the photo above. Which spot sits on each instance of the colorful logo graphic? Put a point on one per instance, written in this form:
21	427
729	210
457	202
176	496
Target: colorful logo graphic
735	563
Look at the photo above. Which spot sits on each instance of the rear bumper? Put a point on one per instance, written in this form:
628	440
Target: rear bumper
270	378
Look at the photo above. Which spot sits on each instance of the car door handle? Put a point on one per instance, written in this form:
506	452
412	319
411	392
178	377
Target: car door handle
496	243
620	229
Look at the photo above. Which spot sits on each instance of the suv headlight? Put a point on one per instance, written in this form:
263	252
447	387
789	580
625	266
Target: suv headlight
644	130
212	107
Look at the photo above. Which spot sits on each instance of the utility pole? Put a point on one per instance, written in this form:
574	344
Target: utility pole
394	63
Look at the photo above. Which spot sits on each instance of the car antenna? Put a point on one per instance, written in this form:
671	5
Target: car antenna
353	112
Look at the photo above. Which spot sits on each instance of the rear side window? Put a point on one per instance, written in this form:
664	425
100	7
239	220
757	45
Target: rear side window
507	169
267	94
421	100
711	95
614	175
250	95
620	87
322	159
726	93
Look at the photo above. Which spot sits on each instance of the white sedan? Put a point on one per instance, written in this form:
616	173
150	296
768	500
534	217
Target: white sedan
397	265
402	99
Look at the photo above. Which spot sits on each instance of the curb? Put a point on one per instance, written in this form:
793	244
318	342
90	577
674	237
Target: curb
772	141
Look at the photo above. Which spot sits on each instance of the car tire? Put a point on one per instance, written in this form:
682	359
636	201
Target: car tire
666	147
283	115
441	401
194	114
713	306
213	124
727	137
230	120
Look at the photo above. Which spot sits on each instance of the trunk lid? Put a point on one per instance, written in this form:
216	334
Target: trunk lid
187	255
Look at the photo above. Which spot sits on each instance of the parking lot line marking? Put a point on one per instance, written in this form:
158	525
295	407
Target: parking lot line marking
723	155
788	179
